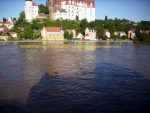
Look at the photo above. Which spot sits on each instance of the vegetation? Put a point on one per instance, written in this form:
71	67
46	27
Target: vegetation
142	36
4	20
43	9
68	36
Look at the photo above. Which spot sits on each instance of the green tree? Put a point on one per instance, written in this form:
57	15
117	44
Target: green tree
106	18
36	34
43	9
83	26
21	17
77	18
100	33
68	36
4	19
28	33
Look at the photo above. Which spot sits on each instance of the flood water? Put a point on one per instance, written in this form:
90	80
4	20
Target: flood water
75	80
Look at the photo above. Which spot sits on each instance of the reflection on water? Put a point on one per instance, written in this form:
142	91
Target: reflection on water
74	80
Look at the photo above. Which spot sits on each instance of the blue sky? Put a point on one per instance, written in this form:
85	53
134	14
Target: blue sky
135	10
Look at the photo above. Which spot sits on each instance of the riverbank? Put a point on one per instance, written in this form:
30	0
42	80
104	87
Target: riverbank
69	41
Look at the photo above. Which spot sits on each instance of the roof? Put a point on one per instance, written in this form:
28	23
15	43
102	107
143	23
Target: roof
106	30
88	2
53	29
12	32
34	4
63	11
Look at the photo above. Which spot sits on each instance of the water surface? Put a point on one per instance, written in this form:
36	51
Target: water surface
71	80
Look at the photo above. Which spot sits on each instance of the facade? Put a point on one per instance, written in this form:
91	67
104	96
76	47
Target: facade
7	26
131	33
52	33
79	36
71	9
120	33
107	33
13	34
90	34
31	10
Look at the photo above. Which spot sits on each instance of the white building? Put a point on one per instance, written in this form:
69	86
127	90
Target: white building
120	33
90	34
107	33
79	36
131	34
31	10
13	34
70	9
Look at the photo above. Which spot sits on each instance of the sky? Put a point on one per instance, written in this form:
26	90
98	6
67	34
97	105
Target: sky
135	10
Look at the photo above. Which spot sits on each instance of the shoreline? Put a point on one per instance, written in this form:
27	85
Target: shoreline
26	41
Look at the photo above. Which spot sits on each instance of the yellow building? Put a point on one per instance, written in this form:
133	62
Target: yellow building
52	33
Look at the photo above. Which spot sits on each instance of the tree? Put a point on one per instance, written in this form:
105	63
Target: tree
77	18
100	33
14	19
83	26
110	25
106	18
43	9
68	35
28	33
4	20
36	34
21	17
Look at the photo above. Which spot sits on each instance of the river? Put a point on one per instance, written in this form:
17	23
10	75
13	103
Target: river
87	78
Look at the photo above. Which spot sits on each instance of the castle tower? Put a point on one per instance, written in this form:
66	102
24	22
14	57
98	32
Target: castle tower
28	10
31	10
50	4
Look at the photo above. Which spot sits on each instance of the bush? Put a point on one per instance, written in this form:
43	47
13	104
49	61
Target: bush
68	36
135	40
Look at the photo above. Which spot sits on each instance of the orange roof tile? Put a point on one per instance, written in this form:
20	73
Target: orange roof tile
34	4
53	29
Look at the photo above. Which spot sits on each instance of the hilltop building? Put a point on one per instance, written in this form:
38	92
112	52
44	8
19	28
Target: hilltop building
31	10
72	9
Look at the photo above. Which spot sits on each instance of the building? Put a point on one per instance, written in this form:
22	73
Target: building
79	36
145	31
13	34
8	25
72	31
120	33
107	33
42	16
72	9
131	33
90	34
31	10
52	33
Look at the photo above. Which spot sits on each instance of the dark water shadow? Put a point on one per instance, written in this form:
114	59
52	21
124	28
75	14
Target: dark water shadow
110	89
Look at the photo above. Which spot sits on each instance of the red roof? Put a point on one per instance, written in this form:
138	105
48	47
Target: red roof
34	4
88	2
6	30
53	29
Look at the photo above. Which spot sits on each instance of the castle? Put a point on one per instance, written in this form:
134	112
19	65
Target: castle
31	10
63	9
72	9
